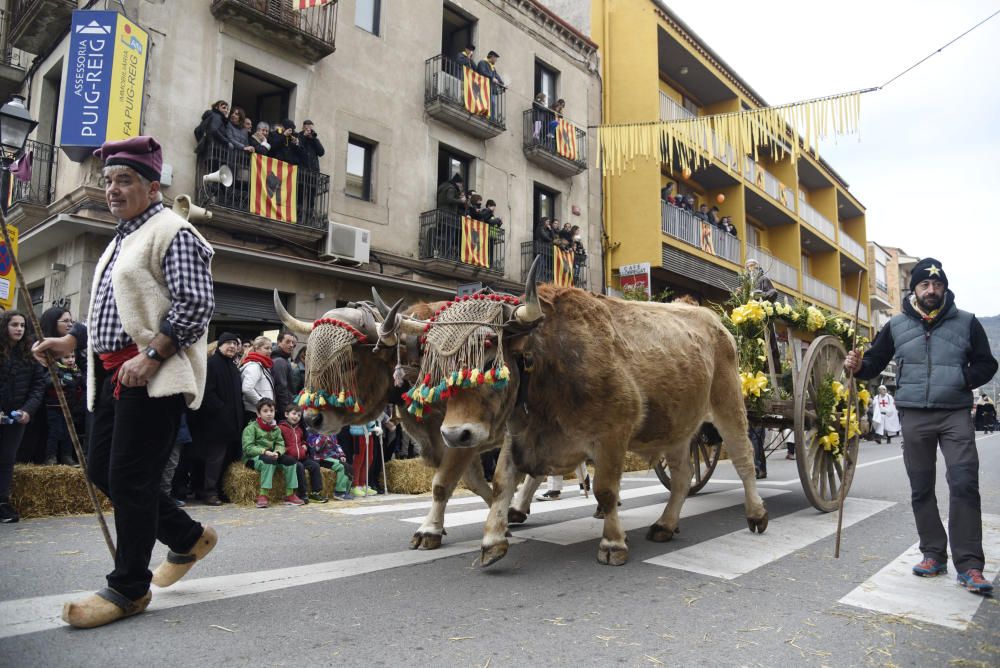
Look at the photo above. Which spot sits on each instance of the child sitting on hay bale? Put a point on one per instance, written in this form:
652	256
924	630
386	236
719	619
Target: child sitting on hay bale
295	447
263	449
324	449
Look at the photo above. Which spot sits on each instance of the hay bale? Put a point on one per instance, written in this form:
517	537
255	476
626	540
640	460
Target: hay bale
42	491
241	484
410	476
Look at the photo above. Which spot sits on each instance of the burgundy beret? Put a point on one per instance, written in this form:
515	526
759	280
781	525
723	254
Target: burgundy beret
143	154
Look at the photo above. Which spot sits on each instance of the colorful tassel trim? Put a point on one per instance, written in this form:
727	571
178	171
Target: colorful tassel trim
419	398
322	399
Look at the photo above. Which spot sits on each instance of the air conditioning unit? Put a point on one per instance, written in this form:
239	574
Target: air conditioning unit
343	242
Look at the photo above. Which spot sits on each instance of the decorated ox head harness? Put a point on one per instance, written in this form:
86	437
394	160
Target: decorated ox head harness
455	344
331	364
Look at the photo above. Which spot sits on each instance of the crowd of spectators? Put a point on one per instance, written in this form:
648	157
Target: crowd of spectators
231	129
701	212
566	237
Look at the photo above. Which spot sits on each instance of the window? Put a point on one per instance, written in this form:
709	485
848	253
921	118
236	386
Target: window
457	28
545	82
359	169
261	96
753	236
546	204
367	14
451	162
881	281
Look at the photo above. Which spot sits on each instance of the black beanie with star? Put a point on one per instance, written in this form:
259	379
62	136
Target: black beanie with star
925	269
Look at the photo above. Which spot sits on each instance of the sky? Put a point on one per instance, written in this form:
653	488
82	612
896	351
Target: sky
926	163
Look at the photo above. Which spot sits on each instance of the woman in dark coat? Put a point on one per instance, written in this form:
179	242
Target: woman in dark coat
217	426
22	385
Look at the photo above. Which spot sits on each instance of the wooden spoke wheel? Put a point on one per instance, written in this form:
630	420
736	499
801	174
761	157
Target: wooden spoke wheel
704	457
821	473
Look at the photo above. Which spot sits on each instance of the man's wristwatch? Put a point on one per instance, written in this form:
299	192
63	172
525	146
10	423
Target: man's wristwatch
151	353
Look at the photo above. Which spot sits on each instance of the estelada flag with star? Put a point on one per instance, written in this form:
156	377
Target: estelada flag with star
566	140
475	242
476	90
309	4
273	186
562	267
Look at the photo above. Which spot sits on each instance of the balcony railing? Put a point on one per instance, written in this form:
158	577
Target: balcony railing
546	141
441	239
9	55
444	99
310	32
682	224
819	290
816	219
312	193
775	269
769	183
850	303
852	247
546	264
671	111
40	188
36	24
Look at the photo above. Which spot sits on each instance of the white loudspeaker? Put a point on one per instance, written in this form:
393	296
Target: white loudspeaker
188	210
224	175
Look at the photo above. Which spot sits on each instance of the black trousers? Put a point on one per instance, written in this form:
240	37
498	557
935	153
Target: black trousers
128	449
315	476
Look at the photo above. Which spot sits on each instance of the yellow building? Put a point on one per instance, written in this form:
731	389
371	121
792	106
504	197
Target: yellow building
795	216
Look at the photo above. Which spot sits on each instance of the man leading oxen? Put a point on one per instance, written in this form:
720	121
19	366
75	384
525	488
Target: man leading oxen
587	377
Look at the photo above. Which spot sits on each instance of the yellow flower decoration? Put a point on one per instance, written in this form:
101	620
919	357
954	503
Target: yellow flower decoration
814	319
865	397
753	383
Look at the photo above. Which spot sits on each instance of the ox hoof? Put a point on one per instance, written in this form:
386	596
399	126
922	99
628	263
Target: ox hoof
492	554
515	516
425	541
659	534
759	525
612	555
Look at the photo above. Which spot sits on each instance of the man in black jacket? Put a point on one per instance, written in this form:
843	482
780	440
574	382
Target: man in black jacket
217	425
281	370
941	353
285	144
310	151
310	146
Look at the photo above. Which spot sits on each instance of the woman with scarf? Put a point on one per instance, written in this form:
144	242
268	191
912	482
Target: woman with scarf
255	375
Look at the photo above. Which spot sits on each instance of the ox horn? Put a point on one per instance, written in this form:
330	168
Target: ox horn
531	311
300	327
379	304
390	323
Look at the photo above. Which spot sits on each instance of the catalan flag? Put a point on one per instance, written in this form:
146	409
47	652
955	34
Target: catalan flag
707	244
475	242
566	140
562	267
476	90
299	5
273	188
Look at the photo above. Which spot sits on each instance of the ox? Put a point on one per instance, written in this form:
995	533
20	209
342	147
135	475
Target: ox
599	376
374	365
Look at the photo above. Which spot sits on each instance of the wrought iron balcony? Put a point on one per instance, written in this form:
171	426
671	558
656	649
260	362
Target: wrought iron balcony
36	24
441	243
577	276
12	61
40	188
311	193
445	99
554	143
685	226
309	33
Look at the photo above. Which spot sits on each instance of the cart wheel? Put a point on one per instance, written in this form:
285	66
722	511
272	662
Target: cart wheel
821	473
704	457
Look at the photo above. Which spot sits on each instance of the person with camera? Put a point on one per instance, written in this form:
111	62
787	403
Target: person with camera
285	144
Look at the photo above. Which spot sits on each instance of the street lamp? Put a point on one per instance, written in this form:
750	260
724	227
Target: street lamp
15	126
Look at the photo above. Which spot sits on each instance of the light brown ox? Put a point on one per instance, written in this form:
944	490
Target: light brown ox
609	376
375	389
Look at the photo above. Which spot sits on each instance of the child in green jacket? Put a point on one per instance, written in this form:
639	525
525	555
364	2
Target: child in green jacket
263	449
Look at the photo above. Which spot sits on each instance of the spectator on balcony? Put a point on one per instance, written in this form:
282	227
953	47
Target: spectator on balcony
579	253
556	113
248	125
727	225
488	214
702	212
543	233
540	115
686	202
474	207
212	129
566	236
488	68
311	147
464	59
713	216
236	135
259	139
451	196
667	193
285	144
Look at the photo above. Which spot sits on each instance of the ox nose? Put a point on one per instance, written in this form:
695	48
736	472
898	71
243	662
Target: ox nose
462	436
313	420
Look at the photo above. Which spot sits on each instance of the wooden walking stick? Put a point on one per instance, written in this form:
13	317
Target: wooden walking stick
852	400
51	366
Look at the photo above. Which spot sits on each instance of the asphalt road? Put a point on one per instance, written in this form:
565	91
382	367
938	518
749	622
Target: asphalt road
335	584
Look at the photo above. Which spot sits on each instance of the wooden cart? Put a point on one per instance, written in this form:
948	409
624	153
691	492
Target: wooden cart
822	474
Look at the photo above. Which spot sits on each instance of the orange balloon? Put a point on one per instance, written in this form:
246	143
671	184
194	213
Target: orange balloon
720	198
686	173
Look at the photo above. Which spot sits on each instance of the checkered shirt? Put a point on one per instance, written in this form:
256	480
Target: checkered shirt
189	280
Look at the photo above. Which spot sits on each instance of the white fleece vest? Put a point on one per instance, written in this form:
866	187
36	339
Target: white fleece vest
143	301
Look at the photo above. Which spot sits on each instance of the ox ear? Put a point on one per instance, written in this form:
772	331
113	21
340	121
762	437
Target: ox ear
300	327
390	321
530	312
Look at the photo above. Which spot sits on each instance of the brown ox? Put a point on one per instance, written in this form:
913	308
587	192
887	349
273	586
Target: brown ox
375	365
607	376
